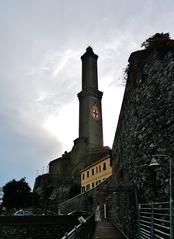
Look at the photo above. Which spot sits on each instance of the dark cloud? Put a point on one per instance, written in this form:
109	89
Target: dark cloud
24	152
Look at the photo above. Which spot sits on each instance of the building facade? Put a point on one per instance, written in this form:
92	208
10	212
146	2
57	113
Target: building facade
96	173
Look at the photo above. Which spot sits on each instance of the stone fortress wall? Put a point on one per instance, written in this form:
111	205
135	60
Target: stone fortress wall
146	119
145	128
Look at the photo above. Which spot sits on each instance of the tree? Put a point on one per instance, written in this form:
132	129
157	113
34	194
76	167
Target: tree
157	39
16	194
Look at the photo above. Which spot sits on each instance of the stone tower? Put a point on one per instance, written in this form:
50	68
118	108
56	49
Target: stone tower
90	110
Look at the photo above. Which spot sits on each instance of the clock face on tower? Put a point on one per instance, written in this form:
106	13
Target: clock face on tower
95	113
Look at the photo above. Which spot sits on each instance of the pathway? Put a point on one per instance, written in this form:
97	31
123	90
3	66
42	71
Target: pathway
105	230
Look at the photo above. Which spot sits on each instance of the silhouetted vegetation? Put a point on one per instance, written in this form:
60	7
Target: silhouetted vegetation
161	42
17	194
157	39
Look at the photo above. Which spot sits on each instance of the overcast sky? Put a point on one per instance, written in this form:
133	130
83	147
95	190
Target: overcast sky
41	42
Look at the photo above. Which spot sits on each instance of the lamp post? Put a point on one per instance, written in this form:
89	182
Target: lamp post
155	163
152	166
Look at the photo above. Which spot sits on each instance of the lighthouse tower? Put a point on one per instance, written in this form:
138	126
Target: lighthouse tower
64	172
90	110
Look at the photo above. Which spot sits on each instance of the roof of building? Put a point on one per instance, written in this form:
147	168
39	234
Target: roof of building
95	163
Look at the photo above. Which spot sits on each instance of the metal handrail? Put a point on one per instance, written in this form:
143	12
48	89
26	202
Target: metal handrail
73	233
161	220
78	229
154	221
155	203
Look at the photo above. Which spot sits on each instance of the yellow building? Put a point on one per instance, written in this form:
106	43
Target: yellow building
95	173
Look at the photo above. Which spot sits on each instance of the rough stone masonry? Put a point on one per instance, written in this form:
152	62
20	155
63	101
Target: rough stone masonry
147	119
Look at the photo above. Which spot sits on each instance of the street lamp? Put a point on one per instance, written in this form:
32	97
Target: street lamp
153	164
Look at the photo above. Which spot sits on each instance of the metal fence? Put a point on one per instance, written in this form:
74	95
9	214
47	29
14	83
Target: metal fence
154	221
83	230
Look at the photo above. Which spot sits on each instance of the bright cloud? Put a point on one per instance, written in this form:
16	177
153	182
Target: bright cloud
64	125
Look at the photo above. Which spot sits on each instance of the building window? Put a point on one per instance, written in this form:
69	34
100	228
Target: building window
97	169
93	185
92	171
87	187
96	183
99	181
87	174
83	176
104	166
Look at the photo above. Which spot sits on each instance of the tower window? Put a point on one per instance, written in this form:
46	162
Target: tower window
83	176
92	171
87	174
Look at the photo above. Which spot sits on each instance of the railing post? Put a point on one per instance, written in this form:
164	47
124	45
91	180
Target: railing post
139	208
66	234
152	221
85	231
171	199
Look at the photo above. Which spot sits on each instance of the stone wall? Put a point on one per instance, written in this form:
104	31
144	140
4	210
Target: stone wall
45	227
125	211
62	164
89	200
146	119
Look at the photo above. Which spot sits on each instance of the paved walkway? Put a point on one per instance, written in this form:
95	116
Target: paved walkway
105	230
